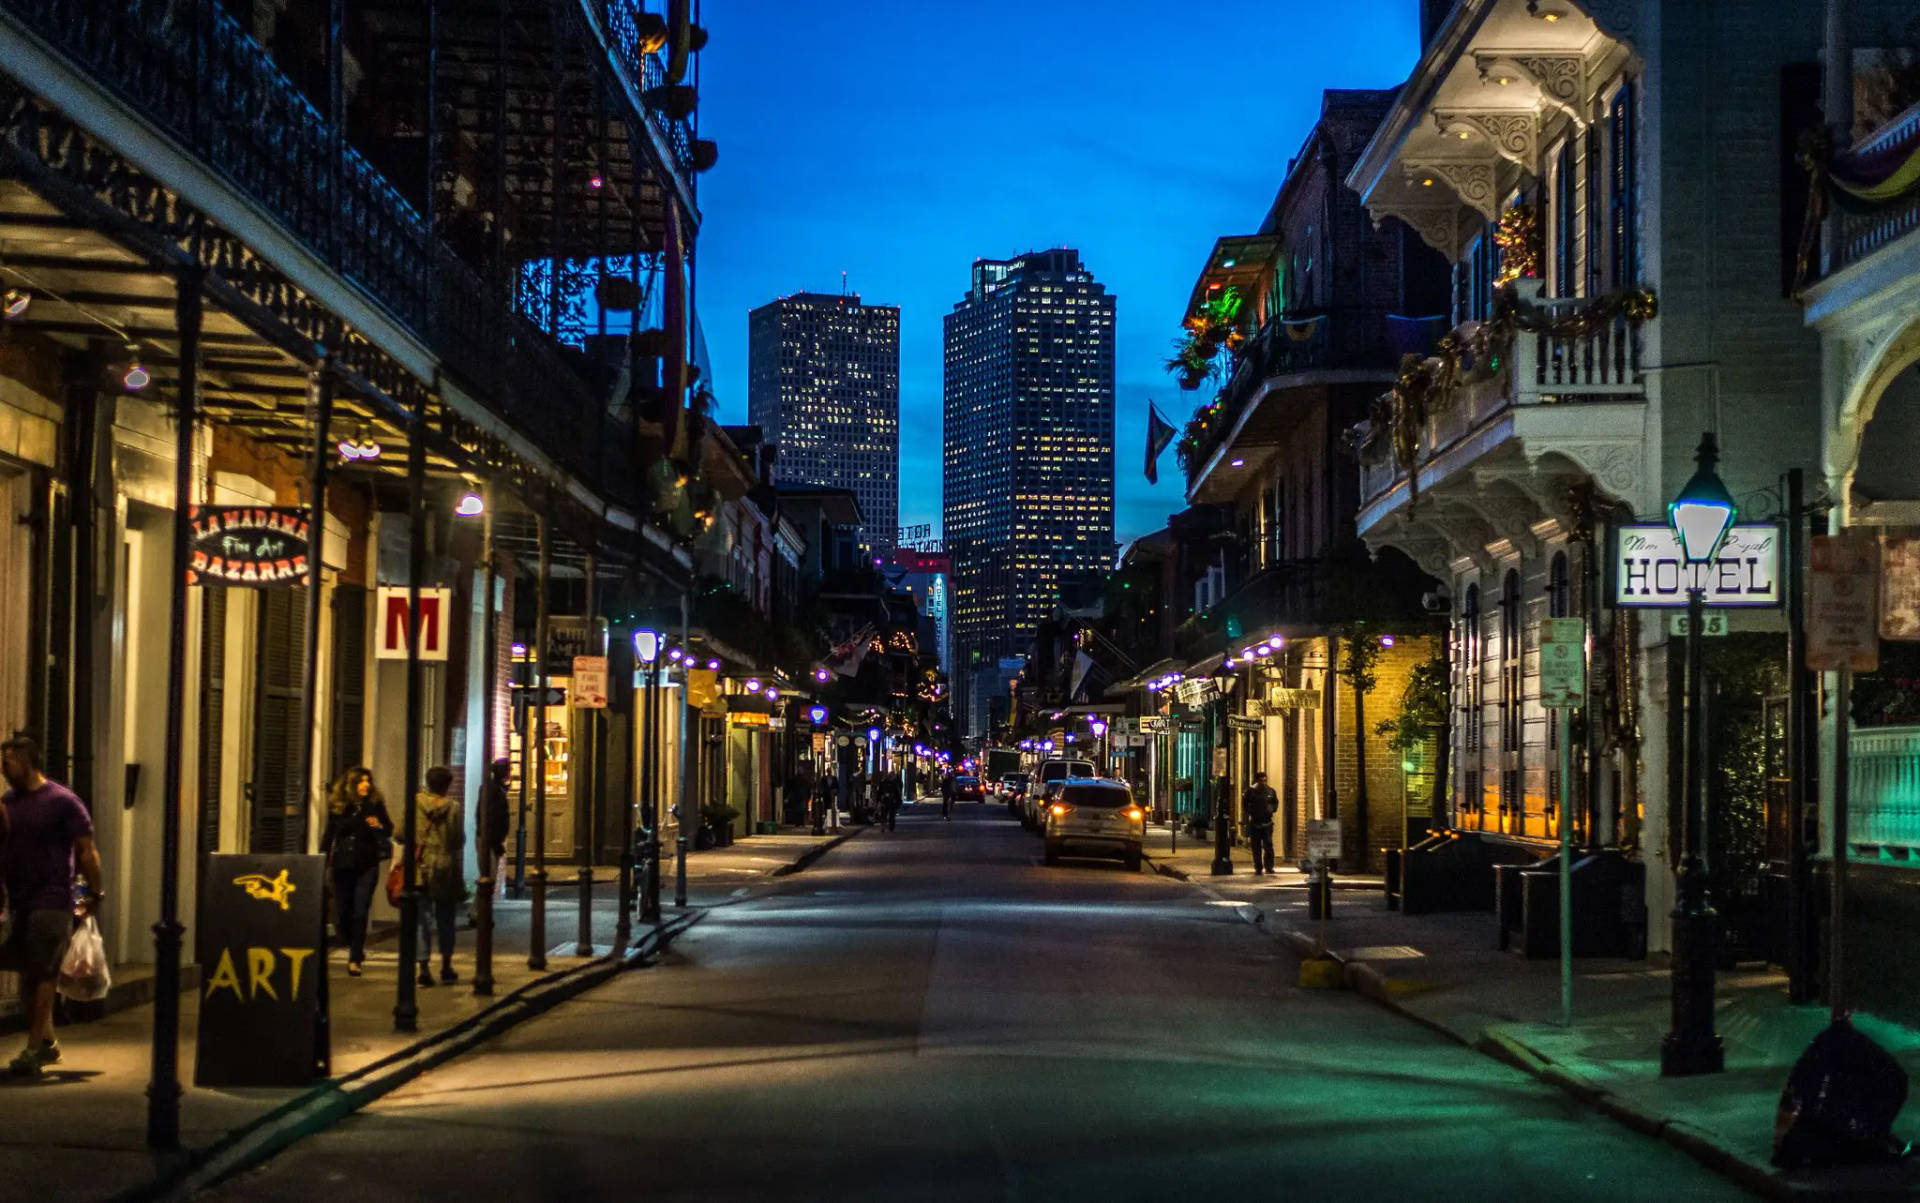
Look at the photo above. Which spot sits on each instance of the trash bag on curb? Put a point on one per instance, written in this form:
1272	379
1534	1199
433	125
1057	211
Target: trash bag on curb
83	974
1840	1102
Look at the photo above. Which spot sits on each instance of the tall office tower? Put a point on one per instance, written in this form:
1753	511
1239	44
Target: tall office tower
1028	490
824	384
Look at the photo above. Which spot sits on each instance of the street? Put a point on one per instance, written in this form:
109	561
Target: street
930	1014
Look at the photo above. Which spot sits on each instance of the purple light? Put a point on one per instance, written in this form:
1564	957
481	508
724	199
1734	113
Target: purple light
1386	641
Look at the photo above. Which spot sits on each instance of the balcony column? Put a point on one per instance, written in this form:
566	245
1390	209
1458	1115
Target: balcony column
1836	102
318	470
163	1085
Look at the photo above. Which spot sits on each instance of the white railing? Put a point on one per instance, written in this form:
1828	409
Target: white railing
1542	369
1883	791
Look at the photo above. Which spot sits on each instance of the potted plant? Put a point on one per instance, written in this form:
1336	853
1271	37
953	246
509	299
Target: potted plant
718	818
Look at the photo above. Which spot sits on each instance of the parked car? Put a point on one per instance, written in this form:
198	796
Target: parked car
1095	817
1053	773
967	789
1013	789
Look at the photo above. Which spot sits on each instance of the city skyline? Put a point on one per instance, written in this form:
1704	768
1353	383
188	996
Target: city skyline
824	387
1027	491
900	194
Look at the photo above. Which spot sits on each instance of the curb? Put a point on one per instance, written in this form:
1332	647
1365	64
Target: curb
815	853
326	1103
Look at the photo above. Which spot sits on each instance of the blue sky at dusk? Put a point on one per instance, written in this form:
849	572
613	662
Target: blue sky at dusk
899	142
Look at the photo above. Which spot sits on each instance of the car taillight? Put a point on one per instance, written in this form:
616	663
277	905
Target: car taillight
1134	812
1061	809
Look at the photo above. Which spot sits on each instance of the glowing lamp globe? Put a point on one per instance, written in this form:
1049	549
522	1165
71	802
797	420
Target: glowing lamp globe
1704	511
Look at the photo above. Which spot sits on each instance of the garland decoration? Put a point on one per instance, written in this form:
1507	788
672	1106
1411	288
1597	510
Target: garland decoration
1470	354
1859	181
1518	237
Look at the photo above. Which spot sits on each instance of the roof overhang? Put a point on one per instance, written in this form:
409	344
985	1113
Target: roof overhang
1242	261
1498	84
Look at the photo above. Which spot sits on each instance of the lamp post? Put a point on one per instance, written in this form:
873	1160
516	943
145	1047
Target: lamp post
646	652
1099	727
1700	517
1223	678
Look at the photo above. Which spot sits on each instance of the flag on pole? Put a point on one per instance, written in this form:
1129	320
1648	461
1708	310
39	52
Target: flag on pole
1159	434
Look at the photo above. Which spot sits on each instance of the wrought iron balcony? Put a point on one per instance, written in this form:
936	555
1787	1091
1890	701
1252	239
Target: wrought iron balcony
190	70
1297	344
1863	233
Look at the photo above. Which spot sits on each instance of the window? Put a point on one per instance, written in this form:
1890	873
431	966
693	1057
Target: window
1622	216
1512	681
1591	277
1562	284
1559	588
1470	646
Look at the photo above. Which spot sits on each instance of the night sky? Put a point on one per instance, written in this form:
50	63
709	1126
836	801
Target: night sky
899	142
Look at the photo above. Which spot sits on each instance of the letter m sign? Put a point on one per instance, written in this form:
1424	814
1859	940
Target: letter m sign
390	640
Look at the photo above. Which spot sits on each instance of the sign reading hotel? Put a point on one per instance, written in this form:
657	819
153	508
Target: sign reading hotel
258	545
1649	569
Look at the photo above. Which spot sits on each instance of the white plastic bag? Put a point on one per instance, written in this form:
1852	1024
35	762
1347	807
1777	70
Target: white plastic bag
83	974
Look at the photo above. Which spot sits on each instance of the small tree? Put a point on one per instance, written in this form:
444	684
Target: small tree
1361	653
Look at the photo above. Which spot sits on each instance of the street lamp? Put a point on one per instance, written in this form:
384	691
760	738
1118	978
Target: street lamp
647	646
1700	517
1099	745
1223	678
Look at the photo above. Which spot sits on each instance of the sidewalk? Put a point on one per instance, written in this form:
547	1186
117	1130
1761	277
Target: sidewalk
79	1133
1191	859
1444	971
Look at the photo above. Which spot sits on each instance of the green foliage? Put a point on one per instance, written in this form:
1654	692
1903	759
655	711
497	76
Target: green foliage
1359	652
1423	708
718	814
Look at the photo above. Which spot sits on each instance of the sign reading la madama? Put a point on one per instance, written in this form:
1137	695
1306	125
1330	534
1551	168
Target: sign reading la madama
1648	569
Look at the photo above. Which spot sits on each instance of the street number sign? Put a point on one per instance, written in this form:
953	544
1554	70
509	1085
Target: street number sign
1713	623
1843	606
1563	663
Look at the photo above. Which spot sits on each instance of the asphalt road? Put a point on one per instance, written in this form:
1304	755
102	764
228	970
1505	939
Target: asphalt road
931	1014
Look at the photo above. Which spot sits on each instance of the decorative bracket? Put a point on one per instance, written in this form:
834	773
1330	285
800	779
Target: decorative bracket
1560	77
1473	180
1513	136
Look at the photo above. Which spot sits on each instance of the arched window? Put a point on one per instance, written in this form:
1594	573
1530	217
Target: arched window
1472	648
1512	681
1559	588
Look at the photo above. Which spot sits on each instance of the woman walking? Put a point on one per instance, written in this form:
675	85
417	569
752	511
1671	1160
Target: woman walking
440	832
358	837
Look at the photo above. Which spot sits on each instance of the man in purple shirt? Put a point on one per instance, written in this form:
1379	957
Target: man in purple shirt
48	832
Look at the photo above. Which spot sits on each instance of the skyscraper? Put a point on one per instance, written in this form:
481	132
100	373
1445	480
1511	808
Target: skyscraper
1028	490
824	383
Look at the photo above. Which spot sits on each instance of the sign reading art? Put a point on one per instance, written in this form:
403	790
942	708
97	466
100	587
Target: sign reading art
261	958
1649	570
247	545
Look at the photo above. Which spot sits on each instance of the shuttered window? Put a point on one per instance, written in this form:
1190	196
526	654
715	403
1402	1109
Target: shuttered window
274	793
349	678
213	698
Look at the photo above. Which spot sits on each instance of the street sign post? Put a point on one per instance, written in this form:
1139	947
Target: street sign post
1563	686
589	687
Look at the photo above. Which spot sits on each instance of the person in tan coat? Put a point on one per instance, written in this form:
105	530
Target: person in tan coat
439	826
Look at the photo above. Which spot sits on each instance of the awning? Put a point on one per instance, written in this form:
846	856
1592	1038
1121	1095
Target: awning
1242	261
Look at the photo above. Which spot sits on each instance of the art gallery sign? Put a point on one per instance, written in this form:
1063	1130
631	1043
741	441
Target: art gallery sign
1648	569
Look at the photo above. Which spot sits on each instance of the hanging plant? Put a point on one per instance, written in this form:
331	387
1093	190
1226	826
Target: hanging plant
1213	326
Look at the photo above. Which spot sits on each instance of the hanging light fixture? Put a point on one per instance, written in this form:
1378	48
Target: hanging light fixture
1701	515
753	684
471	506
134	376
14	302
359	445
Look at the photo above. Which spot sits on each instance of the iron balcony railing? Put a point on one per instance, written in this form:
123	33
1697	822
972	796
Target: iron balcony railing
190	68
1299	342
1861	234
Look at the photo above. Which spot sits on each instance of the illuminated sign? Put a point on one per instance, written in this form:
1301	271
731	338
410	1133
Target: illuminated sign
391	621
247	545
1649	570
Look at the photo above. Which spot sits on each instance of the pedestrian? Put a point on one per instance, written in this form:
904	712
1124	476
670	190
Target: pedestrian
358	836
493	818
45	835
439	834
890	801
1260	804
946	796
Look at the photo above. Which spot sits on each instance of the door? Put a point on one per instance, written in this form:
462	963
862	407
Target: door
349	679
273	790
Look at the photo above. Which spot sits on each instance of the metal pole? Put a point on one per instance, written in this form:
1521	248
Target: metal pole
689	729
1802	951
323	382
1837	904
588	790
1691	1046
650	886
517	887
1566	868
489	673
537	729
163	1085
405	1011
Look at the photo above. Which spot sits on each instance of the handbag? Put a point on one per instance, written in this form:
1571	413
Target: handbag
397	876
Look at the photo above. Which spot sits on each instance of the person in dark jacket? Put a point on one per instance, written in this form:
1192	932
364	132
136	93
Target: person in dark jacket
1259	804
358	837
494	815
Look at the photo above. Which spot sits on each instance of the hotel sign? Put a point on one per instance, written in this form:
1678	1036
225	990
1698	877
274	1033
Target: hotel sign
1649	570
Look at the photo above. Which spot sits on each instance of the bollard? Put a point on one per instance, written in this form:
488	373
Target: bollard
1320	894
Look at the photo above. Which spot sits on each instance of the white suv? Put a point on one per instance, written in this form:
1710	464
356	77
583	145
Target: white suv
1097	816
